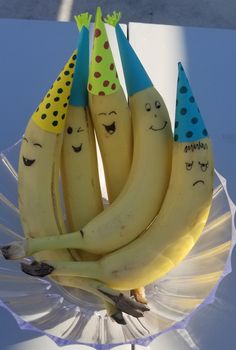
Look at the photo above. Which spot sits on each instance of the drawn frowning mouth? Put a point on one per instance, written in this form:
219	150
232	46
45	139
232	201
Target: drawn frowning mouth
111	128
157	129
77	149
197	182
28	162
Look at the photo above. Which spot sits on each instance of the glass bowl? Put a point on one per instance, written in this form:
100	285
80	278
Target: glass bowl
70	316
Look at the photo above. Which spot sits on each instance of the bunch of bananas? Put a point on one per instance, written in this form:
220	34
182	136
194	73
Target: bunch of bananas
159	185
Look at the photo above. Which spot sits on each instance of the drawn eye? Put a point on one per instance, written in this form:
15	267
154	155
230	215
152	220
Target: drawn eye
25	139
112	112
204	166
38	145
189	165
157	104
148	107
69	130
80	129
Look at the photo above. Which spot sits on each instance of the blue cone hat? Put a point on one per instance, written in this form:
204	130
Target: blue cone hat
136	77
79	93
189	125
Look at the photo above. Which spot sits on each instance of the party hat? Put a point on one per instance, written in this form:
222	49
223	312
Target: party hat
51	112
103	78
136	77
79	93
189	125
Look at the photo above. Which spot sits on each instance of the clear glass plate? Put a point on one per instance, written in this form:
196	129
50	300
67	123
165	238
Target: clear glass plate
70	316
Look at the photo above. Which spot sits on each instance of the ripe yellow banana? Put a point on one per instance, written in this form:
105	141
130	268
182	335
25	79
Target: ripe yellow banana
38	170
82	193
40	158
110	112
79	169
183	214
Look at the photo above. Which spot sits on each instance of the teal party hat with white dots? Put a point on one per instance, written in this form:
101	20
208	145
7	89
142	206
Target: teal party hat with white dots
136	77
189	124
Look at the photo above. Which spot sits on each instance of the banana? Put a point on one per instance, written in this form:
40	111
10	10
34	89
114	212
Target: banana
38	189
39	159
80	180
79	169
183	214
141	197
110	112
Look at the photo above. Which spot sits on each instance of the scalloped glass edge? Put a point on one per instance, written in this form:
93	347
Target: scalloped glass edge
145	341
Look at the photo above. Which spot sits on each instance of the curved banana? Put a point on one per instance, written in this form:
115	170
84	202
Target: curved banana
38	170
182	217
110	112
39	159
38	189
142	196
79	168
82	193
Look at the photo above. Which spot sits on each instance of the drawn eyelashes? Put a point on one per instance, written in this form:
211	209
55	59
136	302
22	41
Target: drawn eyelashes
204	166
148	106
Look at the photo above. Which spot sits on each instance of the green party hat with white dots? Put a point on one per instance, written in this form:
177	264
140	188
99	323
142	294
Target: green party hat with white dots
103	78
189	124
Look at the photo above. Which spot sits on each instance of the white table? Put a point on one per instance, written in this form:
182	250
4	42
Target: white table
32	53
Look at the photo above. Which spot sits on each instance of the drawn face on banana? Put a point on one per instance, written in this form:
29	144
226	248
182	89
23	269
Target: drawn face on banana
109	116
75	130
154	110
198	168
36	146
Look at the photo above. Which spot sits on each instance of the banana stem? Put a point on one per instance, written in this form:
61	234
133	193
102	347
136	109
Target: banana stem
71	240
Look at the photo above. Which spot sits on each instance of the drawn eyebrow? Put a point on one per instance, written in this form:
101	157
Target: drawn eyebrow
112	112
37	144
103	113
24	138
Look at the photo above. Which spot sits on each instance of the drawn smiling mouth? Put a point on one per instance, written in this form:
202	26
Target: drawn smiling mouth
28	162
157	129
78	148
197	182
111	128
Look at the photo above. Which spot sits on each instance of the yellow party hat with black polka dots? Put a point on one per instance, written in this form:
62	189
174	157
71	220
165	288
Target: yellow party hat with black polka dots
103	77
51	112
